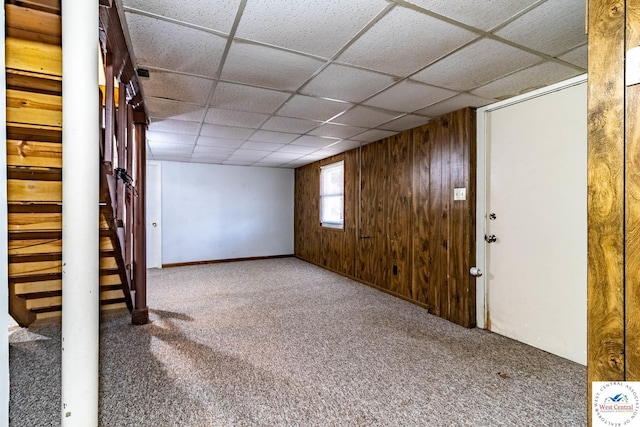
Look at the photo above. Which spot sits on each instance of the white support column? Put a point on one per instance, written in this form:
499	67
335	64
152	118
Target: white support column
80	198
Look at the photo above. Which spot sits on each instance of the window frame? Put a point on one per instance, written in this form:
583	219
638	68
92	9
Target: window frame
325	194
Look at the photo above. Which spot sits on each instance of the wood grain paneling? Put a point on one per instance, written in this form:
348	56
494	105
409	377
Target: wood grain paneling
605	290
399	212
371	257
399	226
632	192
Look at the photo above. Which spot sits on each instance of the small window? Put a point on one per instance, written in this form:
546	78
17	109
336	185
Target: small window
332	195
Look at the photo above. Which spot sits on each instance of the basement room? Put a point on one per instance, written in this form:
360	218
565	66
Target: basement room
320	213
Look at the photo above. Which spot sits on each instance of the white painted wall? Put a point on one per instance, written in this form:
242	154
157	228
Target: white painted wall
215	212
4	296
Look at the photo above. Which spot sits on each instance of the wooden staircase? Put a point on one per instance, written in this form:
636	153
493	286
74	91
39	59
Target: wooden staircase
34	172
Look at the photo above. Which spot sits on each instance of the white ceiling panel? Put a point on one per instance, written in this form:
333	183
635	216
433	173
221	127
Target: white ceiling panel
268	67
174	138
220	142
374	135
247	98
577	56
409	121
524	81
354	71
306	107
315	27
176	87
218	18
261	146
218	116
283	156
408	96
162	44
174	126
314	141
253	155
167	109
289	125
554	27
336	131
167	148
404	41
475	65
277	137
297	149
486	16
457	102
230	132
347	83
366	117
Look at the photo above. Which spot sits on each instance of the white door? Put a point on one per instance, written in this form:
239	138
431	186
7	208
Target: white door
537	209
154	214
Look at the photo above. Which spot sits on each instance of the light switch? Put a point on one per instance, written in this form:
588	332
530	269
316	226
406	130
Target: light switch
459	194
633	66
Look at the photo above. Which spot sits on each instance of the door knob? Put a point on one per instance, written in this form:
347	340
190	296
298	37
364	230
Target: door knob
475	271
155	224
490	238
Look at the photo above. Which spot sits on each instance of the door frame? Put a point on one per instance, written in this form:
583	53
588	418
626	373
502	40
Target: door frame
481	184
157	188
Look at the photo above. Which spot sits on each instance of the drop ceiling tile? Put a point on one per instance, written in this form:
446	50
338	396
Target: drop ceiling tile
314	141
299	163
247	98
336	131
475	65
212	160
345	145
220	142
171	157
366	117
346	83
174	126
283	156
218	116
253	155
554	27
374	135
456	103
264	146
226	132
290	125
219	18
162	44
409	121
167	148
269	163
297	149
577	56
319	28
176	87
204	151
166	109
265	66
306	107
174	138
408	96
238	162
485	15
532	78
404	41
277	137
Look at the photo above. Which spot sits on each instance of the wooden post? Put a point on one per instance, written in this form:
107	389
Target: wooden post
109	122
613	310
140	314
128	241
123	124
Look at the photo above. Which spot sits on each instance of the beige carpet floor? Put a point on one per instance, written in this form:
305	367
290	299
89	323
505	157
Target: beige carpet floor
284	343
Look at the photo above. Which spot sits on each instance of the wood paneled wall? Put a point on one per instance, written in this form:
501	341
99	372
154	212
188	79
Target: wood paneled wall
404	233
613	310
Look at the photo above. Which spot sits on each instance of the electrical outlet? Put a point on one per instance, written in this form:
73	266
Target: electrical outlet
395	270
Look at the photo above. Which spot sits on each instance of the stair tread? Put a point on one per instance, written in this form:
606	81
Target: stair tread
22	278
49	256
58	292
59	307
